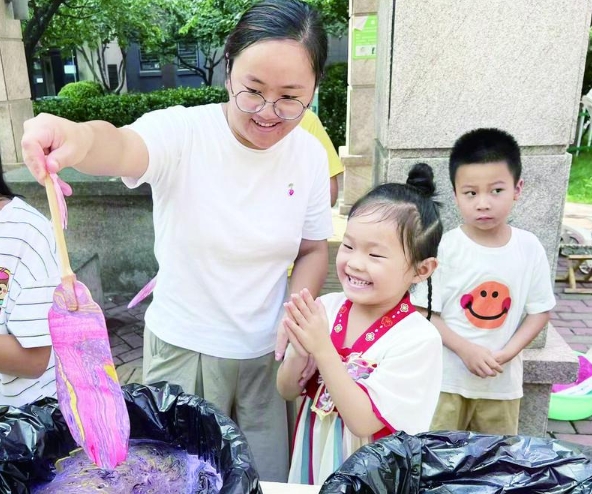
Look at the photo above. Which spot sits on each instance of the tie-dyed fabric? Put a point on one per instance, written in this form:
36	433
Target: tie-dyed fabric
88	390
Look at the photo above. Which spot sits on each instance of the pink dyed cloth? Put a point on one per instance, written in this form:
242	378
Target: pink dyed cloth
584	373
143	293
89	393
61	189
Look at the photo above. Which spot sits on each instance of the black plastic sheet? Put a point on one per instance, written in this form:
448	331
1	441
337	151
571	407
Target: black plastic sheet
463	463
33	437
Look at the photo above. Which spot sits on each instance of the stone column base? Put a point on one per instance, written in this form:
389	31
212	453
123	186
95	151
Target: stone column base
543	367
357	178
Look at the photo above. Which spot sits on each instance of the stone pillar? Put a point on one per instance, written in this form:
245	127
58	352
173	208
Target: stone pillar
450	67
15	94
357	154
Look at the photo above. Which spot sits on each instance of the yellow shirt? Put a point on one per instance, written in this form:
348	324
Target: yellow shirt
313	125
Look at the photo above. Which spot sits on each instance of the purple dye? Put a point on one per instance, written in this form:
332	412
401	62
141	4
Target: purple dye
151	467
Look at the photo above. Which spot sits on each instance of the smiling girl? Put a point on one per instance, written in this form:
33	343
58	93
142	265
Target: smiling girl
379	361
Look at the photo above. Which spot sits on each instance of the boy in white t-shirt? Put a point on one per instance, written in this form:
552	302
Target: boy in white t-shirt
495	289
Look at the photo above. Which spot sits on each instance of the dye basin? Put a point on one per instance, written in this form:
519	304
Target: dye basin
34	437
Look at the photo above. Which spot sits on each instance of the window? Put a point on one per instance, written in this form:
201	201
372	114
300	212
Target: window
113	73
188	53
148	61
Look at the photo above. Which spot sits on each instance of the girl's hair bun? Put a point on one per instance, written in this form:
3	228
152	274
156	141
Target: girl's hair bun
421	177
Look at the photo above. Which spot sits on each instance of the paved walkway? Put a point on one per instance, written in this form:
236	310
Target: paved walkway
572	317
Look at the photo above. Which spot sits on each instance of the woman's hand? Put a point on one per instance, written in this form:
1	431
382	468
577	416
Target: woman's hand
281	342
52	143
308	372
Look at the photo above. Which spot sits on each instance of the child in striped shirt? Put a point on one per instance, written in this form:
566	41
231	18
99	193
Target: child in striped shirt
29	274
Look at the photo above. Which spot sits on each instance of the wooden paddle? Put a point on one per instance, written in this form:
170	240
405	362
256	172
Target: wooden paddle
89	393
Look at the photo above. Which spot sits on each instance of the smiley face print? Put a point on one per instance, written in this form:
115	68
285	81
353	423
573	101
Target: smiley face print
487	305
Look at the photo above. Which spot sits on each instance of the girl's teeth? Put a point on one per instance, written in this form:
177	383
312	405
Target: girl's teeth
355	281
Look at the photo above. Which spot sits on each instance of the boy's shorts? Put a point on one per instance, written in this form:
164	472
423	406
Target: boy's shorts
457	413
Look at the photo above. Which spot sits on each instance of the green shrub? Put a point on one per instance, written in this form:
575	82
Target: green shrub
126	108
81	90
333	102
587	83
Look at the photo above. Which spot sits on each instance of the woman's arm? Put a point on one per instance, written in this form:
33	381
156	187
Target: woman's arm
289	374
95	148
310	271
310	267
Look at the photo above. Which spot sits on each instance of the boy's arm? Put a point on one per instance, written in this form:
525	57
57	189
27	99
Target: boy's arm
540	300
15	360
478	359
527	331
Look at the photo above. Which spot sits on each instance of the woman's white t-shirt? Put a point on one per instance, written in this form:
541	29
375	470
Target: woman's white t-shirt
228	222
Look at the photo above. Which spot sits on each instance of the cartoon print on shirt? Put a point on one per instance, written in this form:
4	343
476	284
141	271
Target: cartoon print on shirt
486	306
4	279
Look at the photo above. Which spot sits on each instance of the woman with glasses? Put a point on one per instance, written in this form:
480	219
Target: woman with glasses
240	192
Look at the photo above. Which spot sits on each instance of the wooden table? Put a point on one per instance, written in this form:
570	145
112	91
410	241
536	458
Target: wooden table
576	256
277	488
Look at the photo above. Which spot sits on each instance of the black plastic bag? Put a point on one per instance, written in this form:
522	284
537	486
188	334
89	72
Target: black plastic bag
463	463
33	437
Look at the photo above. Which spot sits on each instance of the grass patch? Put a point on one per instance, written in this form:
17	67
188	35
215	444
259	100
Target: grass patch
580	179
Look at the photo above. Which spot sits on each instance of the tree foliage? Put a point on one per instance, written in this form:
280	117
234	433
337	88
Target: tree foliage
204	24
335	15
207	23
159	26
587	84
88	26
41	13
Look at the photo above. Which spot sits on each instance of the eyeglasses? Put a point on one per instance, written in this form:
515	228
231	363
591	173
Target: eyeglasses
285	108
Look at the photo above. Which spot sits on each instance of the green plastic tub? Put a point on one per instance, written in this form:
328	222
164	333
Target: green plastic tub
566	407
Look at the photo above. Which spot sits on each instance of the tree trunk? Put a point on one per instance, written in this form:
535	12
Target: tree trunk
101	62
30	70
89	64
210	65
121	71
34	30
196	70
